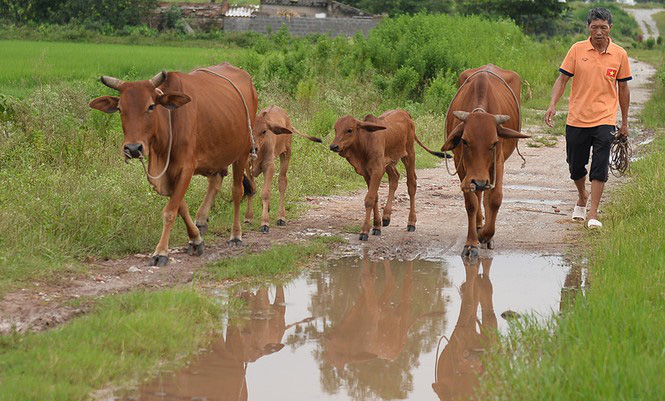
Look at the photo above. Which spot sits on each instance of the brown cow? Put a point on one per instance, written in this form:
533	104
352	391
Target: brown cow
488	97
271	123
373	147
460	362
187	124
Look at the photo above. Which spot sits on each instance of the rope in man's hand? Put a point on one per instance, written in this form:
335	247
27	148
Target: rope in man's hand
620	154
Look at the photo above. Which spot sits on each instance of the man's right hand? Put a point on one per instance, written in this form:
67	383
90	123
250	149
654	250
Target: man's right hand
549	114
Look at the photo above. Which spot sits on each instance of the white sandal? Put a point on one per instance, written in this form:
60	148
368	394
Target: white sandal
579	213
593	224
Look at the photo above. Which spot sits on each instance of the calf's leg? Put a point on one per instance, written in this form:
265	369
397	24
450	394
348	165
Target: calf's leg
373	179
268	173
238	170
249	213
284	160
411	184
393	179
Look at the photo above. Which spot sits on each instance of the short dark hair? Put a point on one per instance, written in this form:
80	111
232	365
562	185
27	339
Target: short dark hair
599	13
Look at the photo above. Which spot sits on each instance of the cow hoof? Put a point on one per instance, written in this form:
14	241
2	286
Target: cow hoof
363	237
490	244
264	229
195	250
410	228
376	231
470	251
235	241
159	260
281	222
203	228
385	222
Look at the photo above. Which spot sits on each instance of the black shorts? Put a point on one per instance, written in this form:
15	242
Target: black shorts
579	142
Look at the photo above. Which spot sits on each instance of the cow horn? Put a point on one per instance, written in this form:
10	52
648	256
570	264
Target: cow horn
113	83
461	115
501	118
158	79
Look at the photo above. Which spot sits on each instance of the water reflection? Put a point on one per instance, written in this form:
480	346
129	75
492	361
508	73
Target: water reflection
221	373
369	315
460	362
369	330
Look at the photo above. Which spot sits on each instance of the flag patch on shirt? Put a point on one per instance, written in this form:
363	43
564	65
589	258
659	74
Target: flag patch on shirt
612	72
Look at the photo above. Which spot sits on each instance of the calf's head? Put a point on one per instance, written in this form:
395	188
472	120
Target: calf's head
478	135
265	129
349	132
137	103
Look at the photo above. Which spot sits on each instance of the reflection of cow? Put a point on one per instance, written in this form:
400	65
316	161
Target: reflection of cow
459	364
488	99
373	327
220	374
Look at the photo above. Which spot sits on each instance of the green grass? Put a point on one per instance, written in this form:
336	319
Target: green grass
28	65
278	260
123	340
610	345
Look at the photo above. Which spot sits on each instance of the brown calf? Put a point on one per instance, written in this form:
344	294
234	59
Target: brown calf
187	124
269	129
373	147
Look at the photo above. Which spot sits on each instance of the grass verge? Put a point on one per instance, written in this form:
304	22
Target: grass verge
278	260
124	339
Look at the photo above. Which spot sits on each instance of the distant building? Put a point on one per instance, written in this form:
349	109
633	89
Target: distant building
309	8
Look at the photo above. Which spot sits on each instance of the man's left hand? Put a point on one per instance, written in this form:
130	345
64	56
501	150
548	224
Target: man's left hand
623	130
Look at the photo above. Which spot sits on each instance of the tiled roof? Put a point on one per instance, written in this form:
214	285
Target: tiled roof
298	3
241	11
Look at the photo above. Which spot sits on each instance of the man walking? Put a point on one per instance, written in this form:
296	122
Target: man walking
598	66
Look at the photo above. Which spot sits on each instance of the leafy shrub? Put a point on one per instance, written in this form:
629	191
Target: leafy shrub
650	43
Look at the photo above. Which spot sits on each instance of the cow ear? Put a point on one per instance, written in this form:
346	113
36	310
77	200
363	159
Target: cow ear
173	100
107	104
511	134
371	127
454	138
279	130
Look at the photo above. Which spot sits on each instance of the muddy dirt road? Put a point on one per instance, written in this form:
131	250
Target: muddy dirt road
535	217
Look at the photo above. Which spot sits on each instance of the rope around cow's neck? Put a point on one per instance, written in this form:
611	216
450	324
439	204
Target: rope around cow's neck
519	116
168	155
252	153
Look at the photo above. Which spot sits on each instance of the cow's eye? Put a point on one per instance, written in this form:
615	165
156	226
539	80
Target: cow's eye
350	130
494	145
151	107
263	133
464	142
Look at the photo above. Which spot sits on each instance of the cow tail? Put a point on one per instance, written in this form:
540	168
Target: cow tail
442	155
311	138
248	187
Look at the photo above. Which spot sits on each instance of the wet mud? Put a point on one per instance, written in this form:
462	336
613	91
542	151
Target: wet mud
357	329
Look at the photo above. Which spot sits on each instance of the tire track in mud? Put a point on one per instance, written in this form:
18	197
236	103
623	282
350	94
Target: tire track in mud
534	217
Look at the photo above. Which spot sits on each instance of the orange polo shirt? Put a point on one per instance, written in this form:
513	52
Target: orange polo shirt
594	99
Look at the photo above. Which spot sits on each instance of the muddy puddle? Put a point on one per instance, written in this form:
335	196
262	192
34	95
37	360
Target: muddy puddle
356	329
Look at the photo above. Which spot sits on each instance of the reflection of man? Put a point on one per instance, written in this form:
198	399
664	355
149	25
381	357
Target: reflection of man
460	363
220	374
373	327
598	65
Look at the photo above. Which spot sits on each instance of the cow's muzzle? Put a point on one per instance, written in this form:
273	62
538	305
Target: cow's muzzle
133	150
334	148
479	185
